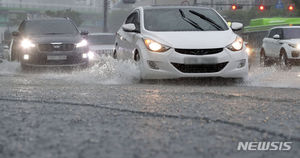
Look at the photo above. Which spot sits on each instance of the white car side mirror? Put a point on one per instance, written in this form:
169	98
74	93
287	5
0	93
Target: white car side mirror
5	47
276	36
236	26
129	27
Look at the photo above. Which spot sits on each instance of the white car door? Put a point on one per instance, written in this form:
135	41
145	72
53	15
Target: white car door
277	43
127	40
269	43
267	46
120	43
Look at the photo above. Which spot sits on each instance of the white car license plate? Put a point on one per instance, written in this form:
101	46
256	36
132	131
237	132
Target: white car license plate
60	57
208	60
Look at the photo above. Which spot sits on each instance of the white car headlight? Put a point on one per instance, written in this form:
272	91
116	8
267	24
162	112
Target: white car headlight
155	46
297	46
26	44
237	45
82	43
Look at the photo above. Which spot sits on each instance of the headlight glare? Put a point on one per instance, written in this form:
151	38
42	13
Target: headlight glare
297	46
248	50
82	43
155	46
91	55
237	45
26	44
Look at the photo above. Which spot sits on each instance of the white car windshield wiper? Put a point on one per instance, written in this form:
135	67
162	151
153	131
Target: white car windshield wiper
188	20
214	24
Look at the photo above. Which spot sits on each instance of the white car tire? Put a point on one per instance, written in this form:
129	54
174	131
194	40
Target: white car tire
284	61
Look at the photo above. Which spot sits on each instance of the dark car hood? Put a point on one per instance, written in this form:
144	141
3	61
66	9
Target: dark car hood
44	39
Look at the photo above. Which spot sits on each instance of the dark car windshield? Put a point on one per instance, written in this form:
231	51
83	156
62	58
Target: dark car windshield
101	39
291	33
44	27
187	19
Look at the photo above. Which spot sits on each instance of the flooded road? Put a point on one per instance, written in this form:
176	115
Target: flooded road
105	111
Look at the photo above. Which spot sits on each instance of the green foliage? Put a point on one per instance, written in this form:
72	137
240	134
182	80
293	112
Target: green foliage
75	16
246	16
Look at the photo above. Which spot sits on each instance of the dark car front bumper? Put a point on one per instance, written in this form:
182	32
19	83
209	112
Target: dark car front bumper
67	58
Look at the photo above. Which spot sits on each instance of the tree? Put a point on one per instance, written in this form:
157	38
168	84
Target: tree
75	16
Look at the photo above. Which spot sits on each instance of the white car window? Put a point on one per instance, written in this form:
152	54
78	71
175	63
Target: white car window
291	33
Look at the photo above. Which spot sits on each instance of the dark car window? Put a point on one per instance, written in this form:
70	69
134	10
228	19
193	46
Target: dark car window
130	18
173	20
43	27
272	33
135	19
291	33
276	32
101	39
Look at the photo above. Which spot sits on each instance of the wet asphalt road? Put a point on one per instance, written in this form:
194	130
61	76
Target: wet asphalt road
50	115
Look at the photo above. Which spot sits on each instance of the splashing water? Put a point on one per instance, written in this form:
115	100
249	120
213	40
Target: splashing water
9	68
106	71
109	71
274	77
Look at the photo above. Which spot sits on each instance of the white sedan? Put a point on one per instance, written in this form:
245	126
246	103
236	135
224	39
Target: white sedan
282	44
182	42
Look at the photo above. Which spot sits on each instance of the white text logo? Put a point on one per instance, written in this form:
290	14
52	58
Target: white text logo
264	146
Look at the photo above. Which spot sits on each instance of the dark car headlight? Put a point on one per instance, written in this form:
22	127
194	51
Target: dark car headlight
82	43
27	44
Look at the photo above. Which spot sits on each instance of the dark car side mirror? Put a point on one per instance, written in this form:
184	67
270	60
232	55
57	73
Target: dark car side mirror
84	33
15	34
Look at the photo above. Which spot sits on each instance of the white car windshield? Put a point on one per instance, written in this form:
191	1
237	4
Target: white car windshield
292	33
187	19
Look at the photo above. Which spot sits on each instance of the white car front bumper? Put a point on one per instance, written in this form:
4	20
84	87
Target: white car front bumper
226	64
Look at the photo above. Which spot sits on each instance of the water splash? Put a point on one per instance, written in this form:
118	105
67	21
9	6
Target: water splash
105	71
274	77
9	68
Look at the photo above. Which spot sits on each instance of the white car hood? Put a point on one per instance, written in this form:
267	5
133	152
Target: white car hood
293	41
194	40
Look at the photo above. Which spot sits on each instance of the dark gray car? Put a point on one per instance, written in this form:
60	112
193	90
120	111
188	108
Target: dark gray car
54	42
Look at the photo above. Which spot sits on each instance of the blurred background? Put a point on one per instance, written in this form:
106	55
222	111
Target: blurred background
108	15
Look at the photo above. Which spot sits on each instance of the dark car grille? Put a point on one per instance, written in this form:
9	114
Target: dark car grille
56	47
211	68
41	59
199	51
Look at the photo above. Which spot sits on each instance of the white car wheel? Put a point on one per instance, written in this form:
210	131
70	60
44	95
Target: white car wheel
283	61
